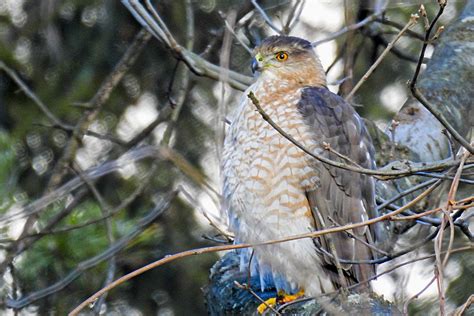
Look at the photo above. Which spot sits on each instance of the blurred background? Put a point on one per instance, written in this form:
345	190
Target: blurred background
63	52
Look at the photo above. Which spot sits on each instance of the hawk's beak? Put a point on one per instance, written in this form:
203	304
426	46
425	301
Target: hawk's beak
255	66
256	63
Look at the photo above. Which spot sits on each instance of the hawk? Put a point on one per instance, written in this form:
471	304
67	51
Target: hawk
272	189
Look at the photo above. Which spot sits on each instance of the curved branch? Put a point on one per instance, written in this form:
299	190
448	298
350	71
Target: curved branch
198	65
89	263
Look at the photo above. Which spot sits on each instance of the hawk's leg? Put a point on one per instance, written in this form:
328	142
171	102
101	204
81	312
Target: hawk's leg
280	299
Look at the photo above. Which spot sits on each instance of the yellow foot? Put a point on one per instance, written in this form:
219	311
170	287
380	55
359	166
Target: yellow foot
270	303
282	298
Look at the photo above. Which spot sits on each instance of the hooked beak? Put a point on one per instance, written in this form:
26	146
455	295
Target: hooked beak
256	63
255	66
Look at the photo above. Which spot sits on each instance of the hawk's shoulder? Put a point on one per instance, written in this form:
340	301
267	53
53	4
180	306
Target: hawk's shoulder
336	122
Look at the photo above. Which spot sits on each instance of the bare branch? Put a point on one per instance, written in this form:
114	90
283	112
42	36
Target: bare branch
458	205
398	26
421	98
92	173
460	311
155	25
413	20
294	16
129	199
266	17
405	305
89	263
249	289
106	211
349	28
12	74
184	76
96	103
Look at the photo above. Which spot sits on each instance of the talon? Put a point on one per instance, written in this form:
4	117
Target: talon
281	299
286	298
268	303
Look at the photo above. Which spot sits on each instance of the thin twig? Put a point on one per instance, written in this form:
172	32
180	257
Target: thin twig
247	287
163	116
440	117
211	221
359	239
224	63
436	210
349	28
184	88
87	132
421	98
399	26
297	16
241	42
440	264
441	176
143	183
405	305
327	146
91	262
340	53
294	16
413	20
387	257
460	311
196	63
12	74
400	53
265	17
106	211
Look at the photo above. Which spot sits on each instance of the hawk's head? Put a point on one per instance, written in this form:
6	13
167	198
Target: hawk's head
289	57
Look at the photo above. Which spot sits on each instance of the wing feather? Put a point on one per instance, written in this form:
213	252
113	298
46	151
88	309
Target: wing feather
343	196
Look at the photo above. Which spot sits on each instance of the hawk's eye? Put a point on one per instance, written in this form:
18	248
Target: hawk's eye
281	56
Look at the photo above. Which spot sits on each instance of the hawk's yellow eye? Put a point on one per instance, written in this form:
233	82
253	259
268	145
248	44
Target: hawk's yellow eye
281	56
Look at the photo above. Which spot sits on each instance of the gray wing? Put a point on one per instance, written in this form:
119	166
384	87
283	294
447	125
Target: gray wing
343	196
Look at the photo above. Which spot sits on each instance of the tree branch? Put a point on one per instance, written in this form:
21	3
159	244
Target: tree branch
89	263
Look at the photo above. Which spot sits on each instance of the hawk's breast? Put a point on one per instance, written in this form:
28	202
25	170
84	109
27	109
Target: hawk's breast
264	173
